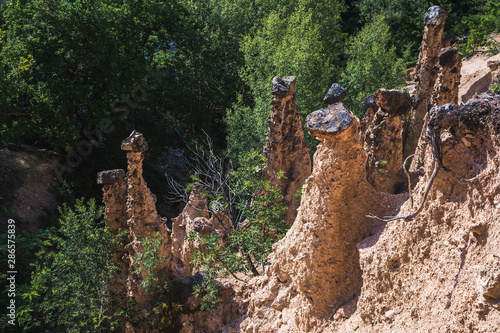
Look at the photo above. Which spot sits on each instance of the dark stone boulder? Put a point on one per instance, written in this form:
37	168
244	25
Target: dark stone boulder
335	94
330	121
283	86
393	101
135	142
435	15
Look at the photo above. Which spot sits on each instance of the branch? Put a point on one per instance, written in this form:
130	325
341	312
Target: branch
411	216
435	142
409	179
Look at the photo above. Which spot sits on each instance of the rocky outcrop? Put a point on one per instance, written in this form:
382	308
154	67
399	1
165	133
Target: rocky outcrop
143	220
426	75
448	80
114	188
194	217
446	89
285	148
385	152
438	271
28	187
315	268
130	206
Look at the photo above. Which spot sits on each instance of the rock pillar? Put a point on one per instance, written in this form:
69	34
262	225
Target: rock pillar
285	148
315	268
383	141
426	75
114	187
194	217
142	218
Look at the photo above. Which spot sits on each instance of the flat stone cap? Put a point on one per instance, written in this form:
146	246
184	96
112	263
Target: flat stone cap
370	102
110	176
447	55
393	101
335	94
135	142
330	121
283	86
435	15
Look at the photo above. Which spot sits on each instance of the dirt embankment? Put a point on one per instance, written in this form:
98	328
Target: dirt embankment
27	186
475	73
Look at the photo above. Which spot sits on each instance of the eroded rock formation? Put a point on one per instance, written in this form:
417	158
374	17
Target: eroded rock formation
439	271
448	80
143	220
445	91
285	148
194	217
130	205
315	269
114	187
383	141
426	75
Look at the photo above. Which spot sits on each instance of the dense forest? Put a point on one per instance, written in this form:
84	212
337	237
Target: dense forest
76	77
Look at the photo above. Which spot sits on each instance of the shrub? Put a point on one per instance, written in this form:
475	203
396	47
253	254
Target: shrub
68	290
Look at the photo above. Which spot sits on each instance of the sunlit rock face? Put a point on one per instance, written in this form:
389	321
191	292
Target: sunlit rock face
285	148
315	268
426	76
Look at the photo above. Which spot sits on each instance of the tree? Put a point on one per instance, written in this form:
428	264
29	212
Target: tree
247	214
372	64
481	25
65	64
304	42
68	289
405	17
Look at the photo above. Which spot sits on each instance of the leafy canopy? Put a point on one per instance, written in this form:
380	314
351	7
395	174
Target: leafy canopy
306	42
372	64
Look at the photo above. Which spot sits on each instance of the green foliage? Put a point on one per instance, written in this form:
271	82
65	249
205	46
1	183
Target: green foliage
68	290
64	64
256	220
148	260
305	42
480	26
405	17
372	64
164	316
26	246
496	88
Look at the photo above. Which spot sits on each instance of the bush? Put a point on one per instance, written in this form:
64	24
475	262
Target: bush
68	290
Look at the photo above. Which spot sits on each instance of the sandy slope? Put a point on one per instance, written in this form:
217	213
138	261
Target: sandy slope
475	68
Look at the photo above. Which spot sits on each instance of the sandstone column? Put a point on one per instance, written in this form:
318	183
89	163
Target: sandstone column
285	148
448	80
115	199
143	219
383	141
426	75
194	217
315	268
